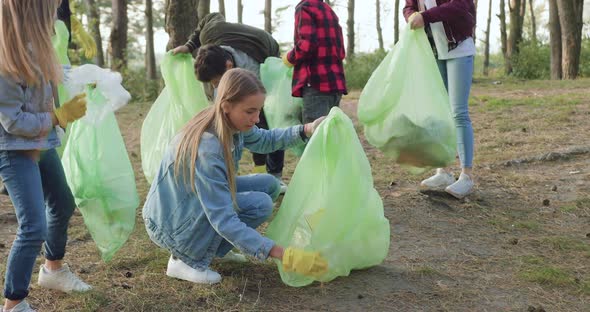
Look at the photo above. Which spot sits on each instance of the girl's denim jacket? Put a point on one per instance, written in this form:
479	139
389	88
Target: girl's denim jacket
191	224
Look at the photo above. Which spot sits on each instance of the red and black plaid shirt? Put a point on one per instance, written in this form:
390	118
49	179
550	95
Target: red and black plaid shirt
319	49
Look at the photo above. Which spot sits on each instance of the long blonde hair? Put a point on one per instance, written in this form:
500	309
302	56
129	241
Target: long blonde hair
235	85
24	23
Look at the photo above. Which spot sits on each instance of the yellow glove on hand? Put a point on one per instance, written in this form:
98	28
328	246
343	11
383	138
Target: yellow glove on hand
83	38
304	262
71	110
286	60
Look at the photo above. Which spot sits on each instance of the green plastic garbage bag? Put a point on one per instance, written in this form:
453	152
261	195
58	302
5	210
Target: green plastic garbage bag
280	108
181	99
60	45
405	107
99	173
332	206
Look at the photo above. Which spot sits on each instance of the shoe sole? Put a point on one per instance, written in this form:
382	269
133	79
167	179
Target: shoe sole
430	188
196	282
457	196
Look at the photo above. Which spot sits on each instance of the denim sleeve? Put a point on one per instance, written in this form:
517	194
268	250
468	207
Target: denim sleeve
263	141
214	195
16	121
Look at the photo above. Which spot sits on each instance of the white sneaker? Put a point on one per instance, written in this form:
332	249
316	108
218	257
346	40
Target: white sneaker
234	257
461	188
62	279
22	306
283	186
180	270
439	181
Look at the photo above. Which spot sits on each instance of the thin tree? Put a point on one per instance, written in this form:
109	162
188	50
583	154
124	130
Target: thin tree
486	59
378	24
150	57
94	24
555	40
503	35
180	21
222	7
350	30
267	16
396	21
118	39
474	32
240	11
533	21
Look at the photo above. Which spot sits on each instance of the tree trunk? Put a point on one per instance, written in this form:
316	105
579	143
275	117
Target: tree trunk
503	35
204	8
150	56
180	21
350	30
267	16
118	40
94	23
515	36
486	55
570	18
379	31
240	11
533	21
222	7
396	21
555	40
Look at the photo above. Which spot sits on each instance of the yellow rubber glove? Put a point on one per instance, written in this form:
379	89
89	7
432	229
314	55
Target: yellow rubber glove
81	37
286	60
71	110
259	169
304	262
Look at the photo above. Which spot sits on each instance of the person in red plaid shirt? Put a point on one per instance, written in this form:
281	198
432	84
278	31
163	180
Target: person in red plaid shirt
318	76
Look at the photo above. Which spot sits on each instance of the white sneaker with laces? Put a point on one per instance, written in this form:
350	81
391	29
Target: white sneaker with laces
461	188
62	279
22	306
439	181
180	270
234	257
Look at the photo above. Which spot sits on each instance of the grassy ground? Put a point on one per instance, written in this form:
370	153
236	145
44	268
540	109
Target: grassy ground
521	242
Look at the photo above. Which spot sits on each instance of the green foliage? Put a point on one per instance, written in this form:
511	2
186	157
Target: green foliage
495	69
533	61
585	58
361	67
141	88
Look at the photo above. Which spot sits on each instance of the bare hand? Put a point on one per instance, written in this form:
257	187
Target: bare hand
416	21
309	128
180	49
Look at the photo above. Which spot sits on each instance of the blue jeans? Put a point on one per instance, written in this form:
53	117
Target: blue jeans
317	104
43	204
457	74
255	195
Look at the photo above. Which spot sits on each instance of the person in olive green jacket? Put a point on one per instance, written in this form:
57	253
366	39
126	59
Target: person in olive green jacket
222	46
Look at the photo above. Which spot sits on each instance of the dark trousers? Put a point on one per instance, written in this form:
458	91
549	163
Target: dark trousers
317	104
274	161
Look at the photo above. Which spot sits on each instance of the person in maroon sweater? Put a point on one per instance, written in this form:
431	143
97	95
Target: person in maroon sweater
318	76
449	25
